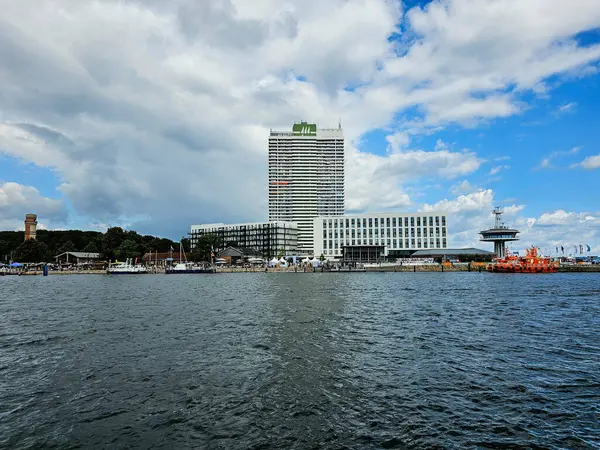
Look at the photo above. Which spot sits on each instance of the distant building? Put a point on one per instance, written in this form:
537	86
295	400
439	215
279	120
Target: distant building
77	258
30	226
376	236
306	177
269	239
234	254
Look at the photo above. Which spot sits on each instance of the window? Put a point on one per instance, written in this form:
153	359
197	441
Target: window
437	221
370	232
324	224
353	232
330	234
393	222
444	231
412	243
431	232
418	232
376	231
412	231
400	244
437	231
418	221
387	222
370	241
330	243
370	222
389	242
353	242
376	222
324	233
431	221
395	243
437	242
406	232
419	243
330	222
394	231
412	221
425	243
347	223
336	234
324	244
406	221
443	221
444	243
352	222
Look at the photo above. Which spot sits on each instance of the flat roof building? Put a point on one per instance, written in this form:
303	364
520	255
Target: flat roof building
306	177
270	239
393	234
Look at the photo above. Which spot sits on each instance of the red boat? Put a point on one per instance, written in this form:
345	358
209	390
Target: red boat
531	263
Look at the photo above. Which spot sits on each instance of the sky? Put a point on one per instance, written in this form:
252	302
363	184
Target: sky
155	115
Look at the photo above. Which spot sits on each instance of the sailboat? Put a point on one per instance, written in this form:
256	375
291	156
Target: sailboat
183	266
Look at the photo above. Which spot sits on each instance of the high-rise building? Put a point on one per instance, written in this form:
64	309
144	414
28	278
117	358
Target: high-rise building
306	177
30	226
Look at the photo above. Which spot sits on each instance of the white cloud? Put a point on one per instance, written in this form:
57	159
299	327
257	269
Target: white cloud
16	200
471	213
497	169
546	162
567	108
464	187
591	162
157	113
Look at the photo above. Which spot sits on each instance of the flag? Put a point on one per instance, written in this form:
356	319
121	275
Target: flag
557	250
580	249
589	249
562	249
172	249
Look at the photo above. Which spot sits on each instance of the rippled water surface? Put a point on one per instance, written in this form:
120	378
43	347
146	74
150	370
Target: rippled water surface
236	361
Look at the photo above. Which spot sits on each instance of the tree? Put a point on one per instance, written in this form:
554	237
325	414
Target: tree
30	251
68	246
204	246
128	249
111	241
92	247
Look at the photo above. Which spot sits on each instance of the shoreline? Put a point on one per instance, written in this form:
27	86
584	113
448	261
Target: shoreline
394	269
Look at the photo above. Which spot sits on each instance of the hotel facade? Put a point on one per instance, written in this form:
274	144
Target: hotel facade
376	236
270	239
306	177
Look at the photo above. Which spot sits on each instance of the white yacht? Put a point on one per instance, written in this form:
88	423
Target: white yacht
124	268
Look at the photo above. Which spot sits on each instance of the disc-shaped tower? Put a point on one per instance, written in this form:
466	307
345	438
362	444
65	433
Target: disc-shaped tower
499	235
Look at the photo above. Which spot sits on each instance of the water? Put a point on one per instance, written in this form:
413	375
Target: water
354	361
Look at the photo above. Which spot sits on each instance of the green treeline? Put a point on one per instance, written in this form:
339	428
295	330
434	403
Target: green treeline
116	243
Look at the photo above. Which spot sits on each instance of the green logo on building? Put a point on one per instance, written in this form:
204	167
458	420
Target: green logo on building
305	129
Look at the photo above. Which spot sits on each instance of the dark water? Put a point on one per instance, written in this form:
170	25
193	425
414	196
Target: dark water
358	361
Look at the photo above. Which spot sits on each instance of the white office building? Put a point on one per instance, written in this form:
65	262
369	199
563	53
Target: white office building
385	235
306	177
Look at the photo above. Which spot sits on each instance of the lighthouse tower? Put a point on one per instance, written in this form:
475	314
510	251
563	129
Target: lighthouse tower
500	234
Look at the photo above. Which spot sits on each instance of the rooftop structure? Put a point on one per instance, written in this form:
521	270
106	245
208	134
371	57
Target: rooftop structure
500	234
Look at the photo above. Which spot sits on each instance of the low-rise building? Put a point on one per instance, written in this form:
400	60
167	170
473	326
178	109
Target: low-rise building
77	258
376	236
269	239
